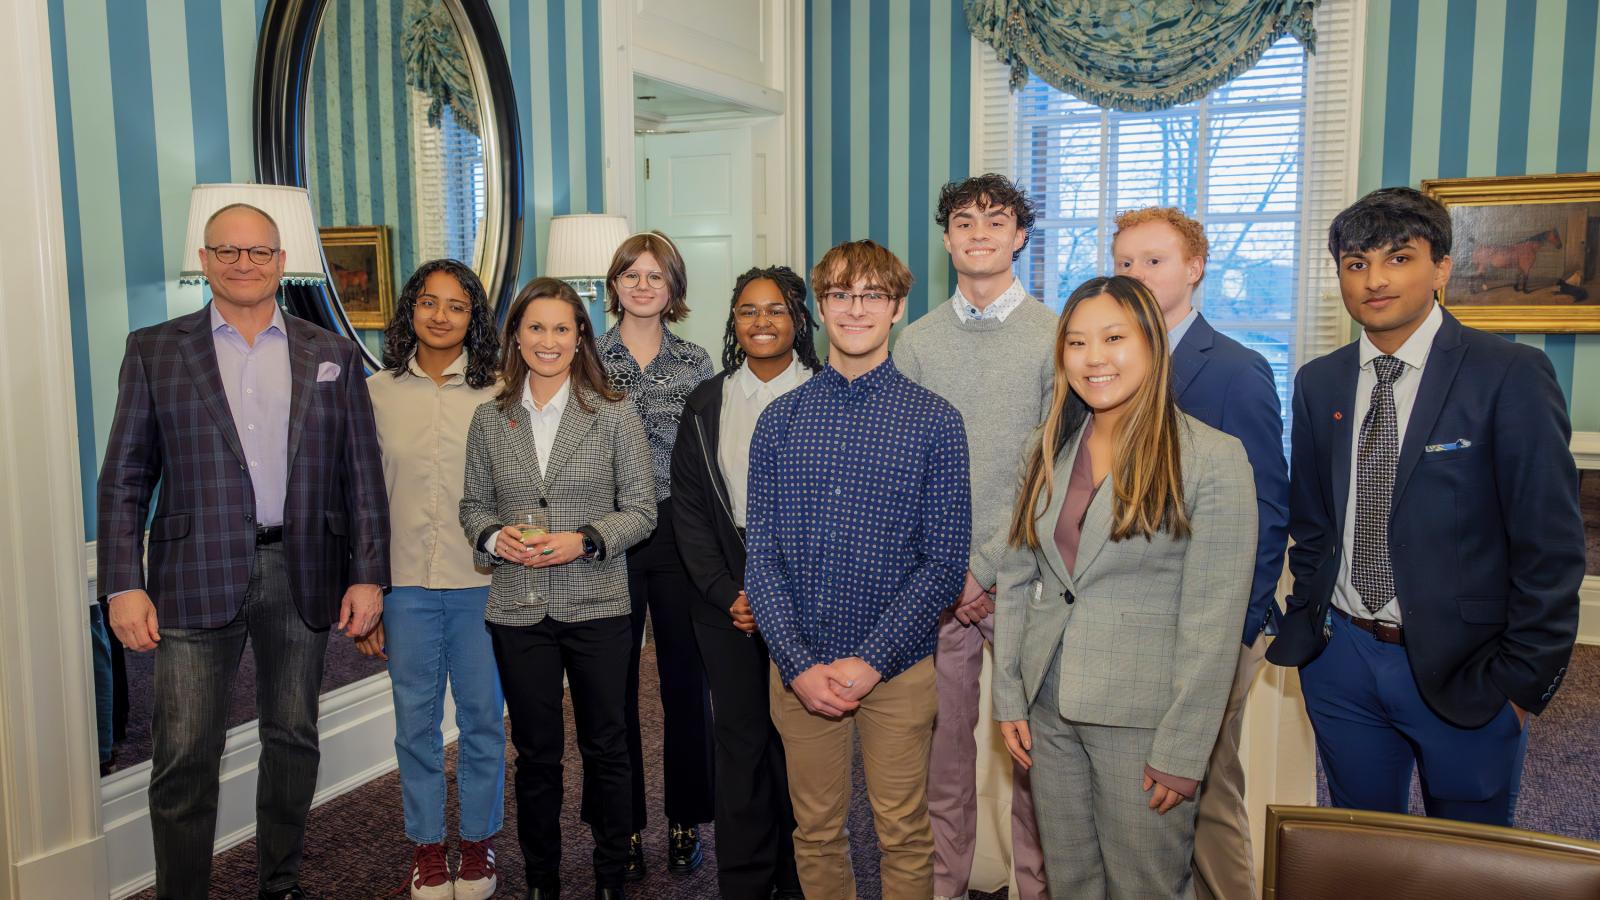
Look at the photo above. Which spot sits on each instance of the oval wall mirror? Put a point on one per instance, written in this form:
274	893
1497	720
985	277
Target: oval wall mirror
398	117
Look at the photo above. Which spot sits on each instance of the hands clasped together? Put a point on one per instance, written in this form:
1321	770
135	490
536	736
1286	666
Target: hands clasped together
835	689
540	551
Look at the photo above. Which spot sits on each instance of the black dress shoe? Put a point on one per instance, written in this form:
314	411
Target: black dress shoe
545	893
684	853
634	871
292	892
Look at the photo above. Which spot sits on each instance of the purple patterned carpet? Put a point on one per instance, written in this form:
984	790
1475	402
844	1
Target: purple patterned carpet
356	848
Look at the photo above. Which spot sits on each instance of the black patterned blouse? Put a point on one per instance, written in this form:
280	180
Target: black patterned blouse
657	392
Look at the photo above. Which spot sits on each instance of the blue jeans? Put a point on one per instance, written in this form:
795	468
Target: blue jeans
433	635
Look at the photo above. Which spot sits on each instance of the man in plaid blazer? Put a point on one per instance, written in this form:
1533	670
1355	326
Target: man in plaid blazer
272	525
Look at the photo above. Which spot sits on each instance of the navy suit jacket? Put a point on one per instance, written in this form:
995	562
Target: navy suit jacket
1485	536
1228	386
173	425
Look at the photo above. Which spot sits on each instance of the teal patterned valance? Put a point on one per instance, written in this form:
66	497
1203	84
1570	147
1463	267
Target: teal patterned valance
1136	55
436	63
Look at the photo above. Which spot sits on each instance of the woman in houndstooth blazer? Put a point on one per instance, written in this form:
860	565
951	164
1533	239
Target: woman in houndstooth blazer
558	453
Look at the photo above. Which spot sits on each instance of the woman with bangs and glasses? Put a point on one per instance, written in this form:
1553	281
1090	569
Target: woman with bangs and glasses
557	488
768	349
646	287
440	354
1118	608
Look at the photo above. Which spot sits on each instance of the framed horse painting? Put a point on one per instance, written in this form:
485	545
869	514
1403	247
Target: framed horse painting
362	271
1526	255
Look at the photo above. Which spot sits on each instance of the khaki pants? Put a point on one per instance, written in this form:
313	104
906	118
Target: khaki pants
1223	866
895	723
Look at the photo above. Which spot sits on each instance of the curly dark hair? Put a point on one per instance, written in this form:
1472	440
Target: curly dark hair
988	192
793	288
483	339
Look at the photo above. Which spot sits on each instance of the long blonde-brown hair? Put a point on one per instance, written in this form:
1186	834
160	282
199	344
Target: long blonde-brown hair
1146	462
586	372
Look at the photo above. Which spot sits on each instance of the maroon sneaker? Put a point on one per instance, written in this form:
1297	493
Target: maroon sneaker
476	879
430	874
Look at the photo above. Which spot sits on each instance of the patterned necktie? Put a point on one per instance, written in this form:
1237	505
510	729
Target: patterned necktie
1376	456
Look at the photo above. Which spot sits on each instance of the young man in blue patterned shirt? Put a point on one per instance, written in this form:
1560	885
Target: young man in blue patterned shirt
859	529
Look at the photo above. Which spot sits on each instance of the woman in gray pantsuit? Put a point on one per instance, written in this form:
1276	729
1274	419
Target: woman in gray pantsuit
1119	604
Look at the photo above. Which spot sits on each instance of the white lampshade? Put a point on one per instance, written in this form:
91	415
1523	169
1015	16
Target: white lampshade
581	246
290	207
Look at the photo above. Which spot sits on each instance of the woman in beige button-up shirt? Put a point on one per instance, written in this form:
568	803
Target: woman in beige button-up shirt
440	358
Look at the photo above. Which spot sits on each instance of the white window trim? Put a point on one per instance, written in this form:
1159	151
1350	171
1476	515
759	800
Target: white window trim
1330	153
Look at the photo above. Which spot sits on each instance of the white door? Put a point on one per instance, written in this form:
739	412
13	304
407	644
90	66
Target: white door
698	189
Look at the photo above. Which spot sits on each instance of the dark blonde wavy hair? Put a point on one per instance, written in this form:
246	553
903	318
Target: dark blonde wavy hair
1146	463
587	373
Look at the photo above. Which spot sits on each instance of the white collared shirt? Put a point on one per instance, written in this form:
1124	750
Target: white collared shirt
1414	353
545	421
744	397
1001	307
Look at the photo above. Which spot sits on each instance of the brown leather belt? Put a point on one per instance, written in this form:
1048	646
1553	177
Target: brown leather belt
1387	632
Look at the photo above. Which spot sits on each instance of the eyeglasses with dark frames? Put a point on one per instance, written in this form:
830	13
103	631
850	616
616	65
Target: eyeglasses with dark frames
227	254
871	301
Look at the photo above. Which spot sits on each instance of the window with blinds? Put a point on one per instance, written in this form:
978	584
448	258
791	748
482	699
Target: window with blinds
1234	160
448	184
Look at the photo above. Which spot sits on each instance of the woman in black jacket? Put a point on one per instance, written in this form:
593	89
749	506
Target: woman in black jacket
767	350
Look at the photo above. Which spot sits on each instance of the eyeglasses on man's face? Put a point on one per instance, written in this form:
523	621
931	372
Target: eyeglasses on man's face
227	254
653	279
773	313
871	301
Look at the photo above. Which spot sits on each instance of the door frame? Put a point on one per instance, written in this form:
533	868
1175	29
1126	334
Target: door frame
785	108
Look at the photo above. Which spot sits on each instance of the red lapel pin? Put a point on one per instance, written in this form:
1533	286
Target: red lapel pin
1337	416
513	423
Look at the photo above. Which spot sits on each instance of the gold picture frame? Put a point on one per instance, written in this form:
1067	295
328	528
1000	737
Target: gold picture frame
361	272
1526	251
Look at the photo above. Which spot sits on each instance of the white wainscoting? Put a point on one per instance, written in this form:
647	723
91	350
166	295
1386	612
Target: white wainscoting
356	728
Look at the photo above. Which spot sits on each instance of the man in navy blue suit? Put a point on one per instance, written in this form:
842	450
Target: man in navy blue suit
1230	387
1438	544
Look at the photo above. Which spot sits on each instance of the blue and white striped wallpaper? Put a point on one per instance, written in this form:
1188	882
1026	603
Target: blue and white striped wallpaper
1469	88
888	113
154	96
358	94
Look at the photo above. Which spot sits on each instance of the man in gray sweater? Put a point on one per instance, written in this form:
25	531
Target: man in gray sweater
989	352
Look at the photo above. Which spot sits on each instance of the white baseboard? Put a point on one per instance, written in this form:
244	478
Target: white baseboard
356	727
75	871
1589	611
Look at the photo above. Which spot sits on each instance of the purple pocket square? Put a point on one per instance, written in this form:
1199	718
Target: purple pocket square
328	371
